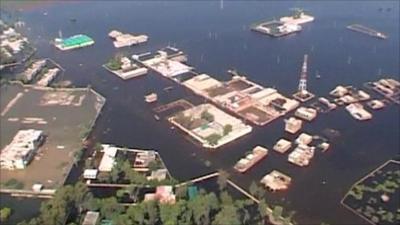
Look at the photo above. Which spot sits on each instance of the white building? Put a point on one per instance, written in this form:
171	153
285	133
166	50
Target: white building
282	145
91	218
304	139
306	113
302	155
293	125
21	150
289	28
124	40
48	77
90	174
34	69
108	160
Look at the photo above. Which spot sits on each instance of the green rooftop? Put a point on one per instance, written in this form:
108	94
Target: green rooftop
192	192
77	40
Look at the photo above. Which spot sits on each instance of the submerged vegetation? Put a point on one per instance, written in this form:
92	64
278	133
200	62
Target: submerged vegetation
375	197
5	213
13	184
114	63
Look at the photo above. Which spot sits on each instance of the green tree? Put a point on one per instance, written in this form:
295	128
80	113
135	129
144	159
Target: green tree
226	199
201	207
155	165
137	214
152	213
181	192
78	156
277	211
114	63
212	201
81	195
98	147
114	175
123	219
222	179
227	215
14	184
185	218
133	192
120	193
227	129
262	209
253	189
89	164
110	208
126	168
34	221
169	213
118	169
213	139
136	178
205	115
5	213
245	216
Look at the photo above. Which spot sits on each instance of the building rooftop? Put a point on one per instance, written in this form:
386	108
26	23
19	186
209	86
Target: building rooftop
282	145
22	145
164	194
144	158
202	82
76	40
91	218
304	138
276	180
108	159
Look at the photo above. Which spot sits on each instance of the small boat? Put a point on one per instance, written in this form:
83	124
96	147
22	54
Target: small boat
156	117
233	72
73	20
168	88
317	75
152	97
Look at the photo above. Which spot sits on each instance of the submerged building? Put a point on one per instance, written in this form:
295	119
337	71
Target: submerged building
19	153
76	41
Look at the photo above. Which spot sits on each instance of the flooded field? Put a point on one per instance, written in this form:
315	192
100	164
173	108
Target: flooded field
375	197
65	116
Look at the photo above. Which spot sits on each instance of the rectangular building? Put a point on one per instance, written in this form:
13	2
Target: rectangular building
19	153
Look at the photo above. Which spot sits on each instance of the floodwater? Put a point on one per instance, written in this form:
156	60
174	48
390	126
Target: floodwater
217	39
65	116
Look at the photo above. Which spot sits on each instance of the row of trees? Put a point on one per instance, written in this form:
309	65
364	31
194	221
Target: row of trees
68	200
71	202
205	208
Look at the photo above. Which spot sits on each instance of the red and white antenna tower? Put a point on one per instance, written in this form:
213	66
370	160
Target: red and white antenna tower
303	77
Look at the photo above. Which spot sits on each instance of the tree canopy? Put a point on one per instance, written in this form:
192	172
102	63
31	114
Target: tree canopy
203	209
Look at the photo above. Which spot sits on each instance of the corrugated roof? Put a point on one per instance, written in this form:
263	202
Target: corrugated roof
76	40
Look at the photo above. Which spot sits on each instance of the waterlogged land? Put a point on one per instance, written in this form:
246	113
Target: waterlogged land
376	196
64	115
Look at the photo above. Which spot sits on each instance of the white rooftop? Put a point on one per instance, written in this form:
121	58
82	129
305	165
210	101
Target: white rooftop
202	82
21	145
108	159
